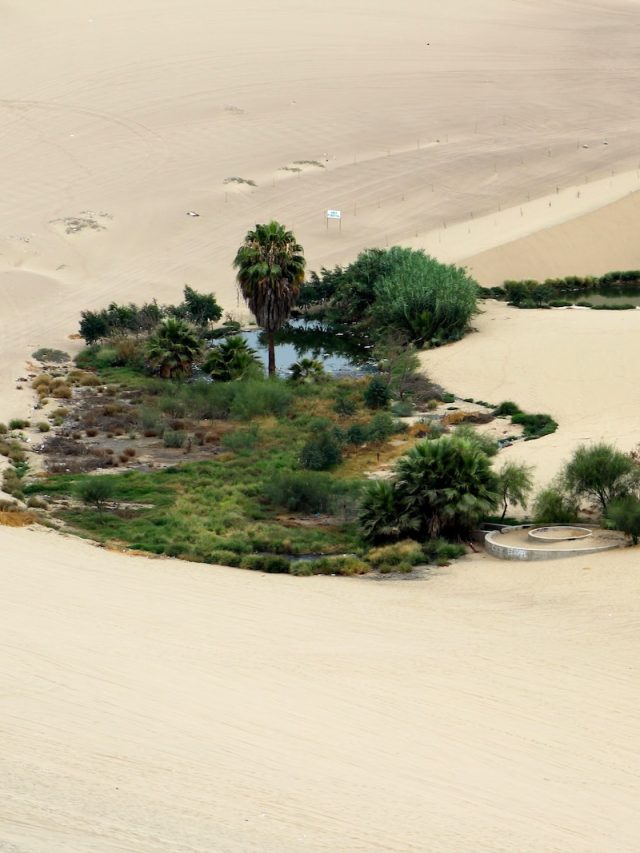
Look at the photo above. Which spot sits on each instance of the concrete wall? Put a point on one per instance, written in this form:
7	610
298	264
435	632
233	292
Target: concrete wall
509	552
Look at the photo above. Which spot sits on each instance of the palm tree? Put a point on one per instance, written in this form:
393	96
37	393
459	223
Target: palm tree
270	269
382	518
232	359
307	370
447	485
173	348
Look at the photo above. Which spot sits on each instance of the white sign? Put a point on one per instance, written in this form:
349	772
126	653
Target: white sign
334	214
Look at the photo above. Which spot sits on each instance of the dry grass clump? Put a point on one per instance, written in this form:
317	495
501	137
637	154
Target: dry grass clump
61	391
16	518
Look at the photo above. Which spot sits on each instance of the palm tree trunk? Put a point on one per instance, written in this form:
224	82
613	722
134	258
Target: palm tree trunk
272	353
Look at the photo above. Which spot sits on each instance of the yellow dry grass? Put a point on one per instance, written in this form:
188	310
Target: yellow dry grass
17	518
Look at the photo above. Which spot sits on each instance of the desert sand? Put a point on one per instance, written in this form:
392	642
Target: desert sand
154	705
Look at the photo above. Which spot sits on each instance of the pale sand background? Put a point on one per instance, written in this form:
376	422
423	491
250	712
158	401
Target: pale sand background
151	705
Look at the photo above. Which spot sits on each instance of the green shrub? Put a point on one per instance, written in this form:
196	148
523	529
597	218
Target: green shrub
403	409
448	398
345	405
299	491
344	566
258	398
174	438
377	393
554	506
97	491
601	473
269	563
43	426
382	426
242	439
425	300
18	423
486	443
223	558
406	551
624	514
440	551
321	452
356	434
55	356
535	426
507	408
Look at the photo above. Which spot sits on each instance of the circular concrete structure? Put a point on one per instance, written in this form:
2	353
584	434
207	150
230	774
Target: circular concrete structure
550	543
559	533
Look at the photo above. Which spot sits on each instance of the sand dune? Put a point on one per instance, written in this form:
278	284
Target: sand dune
577	365
153	706
160	706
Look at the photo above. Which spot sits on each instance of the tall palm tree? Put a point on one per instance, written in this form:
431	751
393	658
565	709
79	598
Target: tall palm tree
173	348
270	269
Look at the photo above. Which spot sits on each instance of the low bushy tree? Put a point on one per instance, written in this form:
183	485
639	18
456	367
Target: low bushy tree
515	483
601	473
321	452
97	491
624	514
554	506
377	394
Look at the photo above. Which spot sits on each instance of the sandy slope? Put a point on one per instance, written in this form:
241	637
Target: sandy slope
154	706
577	365
421	114
157	706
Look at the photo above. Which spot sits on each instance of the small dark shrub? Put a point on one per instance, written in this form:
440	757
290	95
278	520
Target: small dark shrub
174	438
345	405
18	423
377	393
507	408
321	452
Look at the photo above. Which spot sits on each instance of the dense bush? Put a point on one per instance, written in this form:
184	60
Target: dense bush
321	452
257	398
428	301
398	289
441	488
377	394
301	491
197	308
242	440
507	408
270	563
601	473
48	355
174	438
554	506
624	514
535	426
97	491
